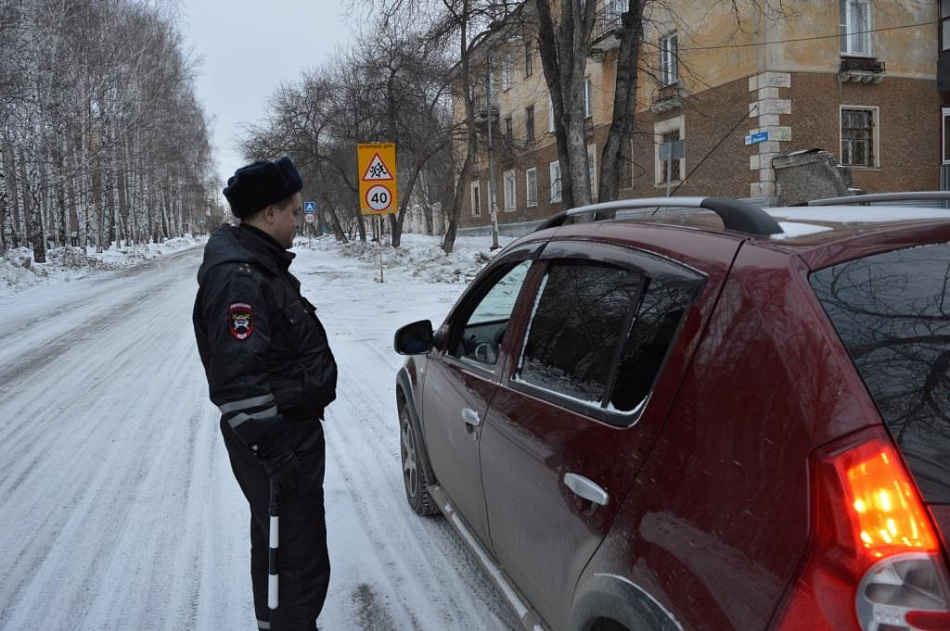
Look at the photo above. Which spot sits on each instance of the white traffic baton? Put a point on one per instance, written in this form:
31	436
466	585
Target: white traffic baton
273	508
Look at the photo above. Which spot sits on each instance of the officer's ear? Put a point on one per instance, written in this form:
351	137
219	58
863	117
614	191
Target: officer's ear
270	213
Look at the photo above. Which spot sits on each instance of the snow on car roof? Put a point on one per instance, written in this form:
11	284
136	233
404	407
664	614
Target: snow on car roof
803	221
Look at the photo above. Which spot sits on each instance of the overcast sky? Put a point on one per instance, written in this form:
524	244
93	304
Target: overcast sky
248	49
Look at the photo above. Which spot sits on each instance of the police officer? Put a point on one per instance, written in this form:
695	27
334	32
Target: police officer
271	373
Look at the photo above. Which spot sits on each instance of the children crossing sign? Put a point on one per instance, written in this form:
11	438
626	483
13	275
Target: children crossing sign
377	167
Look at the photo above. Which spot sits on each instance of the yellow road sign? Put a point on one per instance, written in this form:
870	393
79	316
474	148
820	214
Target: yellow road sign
377	167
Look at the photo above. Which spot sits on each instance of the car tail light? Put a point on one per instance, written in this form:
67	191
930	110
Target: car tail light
875	562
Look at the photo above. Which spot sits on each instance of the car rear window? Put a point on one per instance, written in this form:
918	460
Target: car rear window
892	311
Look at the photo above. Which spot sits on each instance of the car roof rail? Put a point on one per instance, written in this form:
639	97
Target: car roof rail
882	197
735	214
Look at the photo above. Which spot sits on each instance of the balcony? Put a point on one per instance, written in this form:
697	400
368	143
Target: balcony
861	70
666	98
605	35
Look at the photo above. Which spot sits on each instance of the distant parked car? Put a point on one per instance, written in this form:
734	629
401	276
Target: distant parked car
678	420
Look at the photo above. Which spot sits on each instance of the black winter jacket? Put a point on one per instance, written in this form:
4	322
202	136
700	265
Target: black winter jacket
264	351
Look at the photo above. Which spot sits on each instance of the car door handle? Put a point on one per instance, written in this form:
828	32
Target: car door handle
586	489
471	417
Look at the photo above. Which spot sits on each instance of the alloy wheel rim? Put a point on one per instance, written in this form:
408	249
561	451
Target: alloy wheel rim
409	470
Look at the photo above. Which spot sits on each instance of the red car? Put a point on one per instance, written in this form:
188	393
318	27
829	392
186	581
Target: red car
712	416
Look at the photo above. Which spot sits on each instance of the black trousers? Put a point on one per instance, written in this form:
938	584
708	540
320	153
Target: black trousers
303	558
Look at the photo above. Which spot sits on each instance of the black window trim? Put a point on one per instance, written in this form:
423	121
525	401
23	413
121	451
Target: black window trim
647	264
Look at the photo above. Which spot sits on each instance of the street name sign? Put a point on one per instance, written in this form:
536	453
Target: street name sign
754	139
377	167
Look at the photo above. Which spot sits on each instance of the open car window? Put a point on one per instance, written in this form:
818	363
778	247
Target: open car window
480	336
600	331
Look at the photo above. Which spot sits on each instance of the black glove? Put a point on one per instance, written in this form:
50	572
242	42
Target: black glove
284	471
279	459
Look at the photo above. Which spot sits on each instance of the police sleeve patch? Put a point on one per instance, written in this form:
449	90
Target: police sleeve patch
240	320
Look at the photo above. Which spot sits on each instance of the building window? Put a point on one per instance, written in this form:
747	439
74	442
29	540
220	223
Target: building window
626	167
613	9
592	169
528	58
476	201
509	132
667	132
550	115
531	187
855	27
588	107
858	136
505	74
669	60
555	169
529	123
509	190
944	24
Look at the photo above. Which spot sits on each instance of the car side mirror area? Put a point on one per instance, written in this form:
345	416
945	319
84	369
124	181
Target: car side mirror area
414	339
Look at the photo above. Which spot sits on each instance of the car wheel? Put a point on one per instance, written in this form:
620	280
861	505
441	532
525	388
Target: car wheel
413	474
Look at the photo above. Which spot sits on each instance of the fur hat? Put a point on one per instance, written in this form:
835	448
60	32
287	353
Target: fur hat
258	185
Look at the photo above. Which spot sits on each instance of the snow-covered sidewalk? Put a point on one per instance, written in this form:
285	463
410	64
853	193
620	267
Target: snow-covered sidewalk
19	270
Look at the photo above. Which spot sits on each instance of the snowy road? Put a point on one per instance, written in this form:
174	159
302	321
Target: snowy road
118	509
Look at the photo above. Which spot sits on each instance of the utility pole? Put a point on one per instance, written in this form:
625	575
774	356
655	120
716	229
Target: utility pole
493	208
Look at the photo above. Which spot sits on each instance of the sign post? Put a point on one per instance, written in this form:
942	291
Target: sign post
309	214
378	191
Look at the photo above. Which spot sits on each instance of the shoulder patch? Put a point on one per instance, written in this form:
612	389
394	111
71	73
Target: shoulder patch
241	320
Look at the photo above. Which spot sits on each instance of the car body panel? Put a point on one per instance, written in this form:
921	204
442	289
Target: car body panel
542	533
456	386
452	387
707	521
739	432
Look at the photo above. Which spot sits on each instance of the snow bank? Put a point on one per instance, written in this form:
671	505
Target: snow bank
19	271
419	256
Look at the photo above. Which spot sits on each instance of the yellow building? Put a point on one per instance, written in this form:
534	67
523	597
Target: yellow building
858	78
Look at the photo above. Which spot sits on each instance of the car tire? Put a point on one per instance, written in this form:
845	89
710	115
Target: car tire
413	473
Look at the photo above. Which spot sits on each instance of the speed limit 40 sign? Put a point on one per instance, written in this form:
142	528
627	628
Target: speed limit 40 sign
377	166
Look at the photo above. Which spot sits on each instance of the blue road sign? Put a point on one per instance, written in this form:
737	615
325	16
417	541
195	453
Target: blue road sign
310	207
755	139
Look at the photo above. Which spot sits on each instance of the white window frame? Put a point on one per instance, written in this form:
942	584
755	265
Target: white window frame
476	199
588	98
550	115
592	169
846	26
630	167
875	135
669	59
554	169
511	190
664	127
531	186
945	118
613	9
506	73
